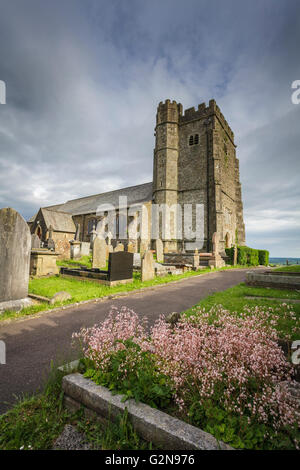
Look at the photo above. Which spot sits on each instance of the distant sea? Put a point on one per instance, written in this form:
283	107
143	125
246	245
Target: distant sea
283	260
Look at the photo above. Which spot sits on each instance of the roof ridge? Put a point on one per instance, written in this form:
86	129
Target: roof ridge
108	192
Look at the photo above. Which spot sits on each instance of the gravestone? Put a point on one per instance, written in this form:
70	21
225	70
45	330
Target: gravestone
84	248
143	247
99	253
137	260
120	266
109	249
148	272
15	247
159	248
119	247
50	241
93	236
35	241
130	248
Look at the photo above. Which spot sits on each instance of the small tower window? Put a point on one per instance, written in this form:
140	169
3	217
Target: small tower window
194	139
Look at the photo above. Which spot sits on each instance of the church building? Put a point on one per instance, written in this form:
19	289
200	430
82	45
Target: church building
194	164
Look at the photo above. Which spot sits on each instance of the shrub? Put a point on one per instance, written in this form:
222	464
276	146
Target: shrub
263	257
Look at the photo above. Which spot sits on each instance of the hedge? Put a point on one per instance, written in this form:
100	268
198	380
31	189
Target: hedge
248	256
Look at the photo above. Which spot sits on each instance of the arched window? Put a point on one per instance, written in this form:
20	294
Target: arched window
191	141
196	139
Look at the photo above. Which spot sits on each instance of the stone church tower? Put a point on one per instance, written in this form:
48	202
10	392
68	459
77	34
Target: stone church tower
195	163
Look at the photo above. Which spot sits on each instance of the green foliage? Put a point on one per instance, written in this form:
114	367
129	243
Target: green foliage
83	261
230	253
235	430
263	256
292	269
234	300
248	256
132	373
35	422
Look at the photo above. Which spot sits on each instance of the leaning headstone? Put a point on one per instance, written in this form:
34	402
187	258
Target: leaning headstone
119	247
159	248
148	272
99	253
15	247
35	241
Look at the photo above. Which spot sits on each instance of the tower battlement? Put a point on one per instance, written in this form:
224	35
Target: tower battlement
204	111
168	112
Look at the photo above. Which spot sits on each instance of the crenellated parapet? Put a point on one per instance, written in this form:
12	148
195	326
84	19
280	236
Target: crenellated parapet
168	112
204	111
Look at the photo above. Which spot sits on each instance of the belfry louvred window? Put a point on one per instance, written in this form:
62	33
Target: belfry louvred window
194	139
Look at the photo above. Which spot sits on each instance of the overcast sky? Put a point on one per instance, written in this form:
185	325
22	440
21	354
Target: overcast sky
84	78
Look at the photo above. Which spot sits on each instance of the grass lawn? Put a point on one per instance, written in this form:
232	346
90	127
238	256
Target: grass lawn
234	300
292	269
35	422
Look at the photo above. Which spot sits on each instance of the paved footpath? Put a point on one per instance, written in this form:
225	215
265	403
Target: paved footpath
31	343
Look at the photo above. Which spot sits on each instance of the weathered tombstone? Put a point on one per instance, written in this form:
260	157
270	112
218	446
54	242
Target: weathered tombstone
15	247
130	248
159	248
50	241
137	260
93	235
75	249
148	272
99	253
119	247
84	248
35	241
120	266
143	247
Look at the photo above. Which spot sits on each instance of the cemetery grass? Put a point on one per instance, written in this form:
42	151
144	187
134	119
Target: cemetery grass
292	269
35	422
234	300
81	290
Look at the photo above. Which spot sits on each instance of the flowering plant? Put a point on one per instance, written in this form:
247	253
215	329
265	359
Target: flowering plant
217	367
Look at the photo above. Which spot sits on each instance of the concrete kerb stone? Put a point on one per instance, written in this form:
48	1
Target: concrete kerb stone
151	424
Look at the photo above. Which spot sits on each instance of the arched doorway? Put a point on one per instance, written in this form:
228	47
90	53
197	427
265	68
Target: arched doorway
39	232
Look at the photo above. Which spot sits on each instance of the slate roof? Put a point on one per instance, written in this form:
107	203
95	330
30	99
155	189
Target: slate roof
89	204
60	221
